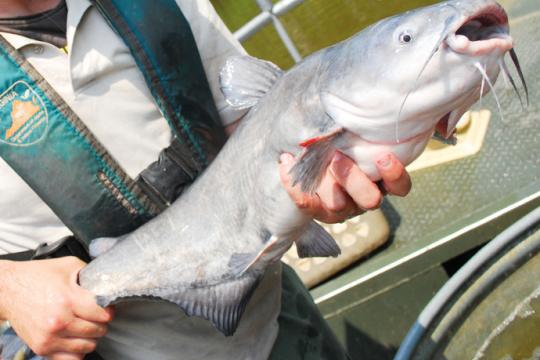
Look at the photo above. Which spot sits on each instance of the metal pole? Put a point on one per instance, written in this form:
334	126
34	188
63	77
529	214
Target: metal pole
267	7
252	26
270	13
285	38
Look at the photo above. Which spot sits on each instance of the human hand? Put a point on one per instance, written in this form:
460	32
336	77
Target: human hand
48	309
345	191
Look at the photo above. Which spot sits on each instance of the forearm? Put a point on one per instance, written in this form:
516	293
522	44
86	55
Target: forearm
48	310
6	271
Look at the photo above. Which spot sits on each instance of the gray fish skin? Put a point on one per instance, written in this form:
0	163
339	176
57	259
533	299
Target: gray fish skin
363	96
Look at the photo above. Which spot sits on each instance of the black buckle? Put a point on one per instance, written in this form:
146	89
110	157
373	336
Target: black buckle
165	179
67	246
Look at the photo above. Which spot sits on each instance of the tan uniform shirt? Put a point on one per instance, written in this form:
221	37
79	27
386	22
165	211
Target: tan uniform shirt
100	81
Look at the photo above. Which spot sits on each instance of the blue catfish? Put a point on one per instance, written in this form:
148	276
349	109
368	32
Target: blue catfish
389	88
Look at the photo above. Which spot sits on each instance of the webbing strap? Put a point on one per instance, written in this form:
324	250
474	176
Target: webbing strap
67	246
18	256
161	42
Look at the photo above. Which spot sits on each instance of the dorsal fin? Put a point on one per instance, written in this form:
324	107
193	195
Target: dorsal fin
245	79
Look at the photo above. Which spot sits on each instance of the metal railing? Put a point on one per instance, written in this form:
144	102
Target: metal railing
270	14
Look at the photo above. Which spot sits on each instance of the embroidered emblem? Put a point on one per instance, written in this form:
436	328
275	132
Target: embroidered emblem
23	115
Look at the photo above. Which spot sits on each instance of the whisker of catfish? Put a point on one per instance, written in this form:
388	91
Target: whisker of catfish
515	60
509	77
484	74
482	86
504	75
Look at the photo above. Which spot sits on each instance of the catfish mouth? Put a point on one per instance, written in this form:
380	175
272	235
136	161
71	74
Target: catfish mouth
481	33
442	127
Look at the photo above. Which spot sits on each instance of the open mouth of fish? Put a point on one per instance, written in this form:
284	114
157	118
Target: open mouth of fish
479	34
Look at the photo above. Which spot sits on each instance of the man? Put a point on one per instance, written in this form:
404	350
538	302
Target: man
71	45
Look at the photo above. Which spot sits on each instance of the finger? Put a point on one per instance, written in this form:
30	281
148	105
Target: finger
395	178
337	205
331	217
360	188
110	310
381	187
65	356
306	202
84	329
86	308
74	346
332	195
84	304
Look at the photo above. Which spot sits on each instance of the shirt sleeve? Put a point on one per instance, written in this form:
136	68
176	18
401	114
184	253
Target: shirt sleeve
216	43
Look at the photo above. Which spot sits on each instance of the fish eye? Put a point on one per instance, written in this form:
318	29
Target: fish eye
405	37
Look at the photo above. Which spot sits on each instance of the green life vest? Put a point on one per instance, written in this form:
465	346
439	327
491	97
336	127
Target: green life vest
49	147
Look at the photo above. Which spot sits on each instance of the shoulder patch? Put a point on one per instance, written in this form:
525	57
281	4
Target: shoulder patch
23	115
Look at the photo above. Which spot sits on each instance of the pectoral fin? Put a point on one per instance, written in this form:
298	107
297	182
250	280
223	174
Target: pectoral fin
316	242
311	166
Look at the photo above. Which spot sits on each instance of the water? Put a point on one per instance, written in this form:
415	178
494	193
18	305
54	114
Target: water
312	25
516	338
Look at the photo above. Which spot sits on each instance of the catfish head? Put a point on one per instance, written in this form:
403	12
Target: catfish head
395	84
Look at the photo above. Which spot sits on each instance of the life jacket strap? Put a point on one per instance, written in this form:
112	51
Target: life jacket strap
166	52
67	246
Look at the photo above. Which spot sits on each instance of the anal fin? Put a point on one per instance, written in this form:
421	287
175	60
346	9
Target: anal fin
316	242
222	304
